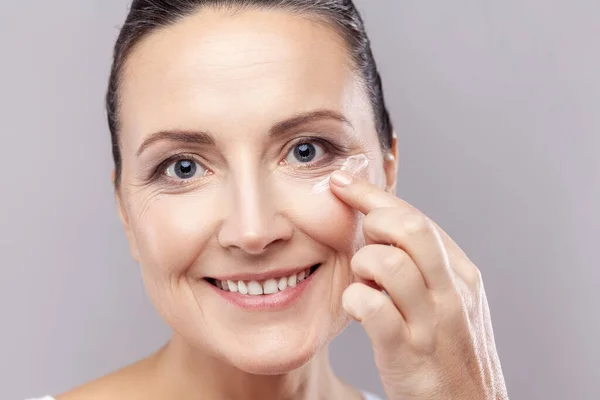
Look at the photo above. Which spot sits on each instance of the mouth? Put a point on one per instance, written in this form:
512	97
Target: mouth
263	287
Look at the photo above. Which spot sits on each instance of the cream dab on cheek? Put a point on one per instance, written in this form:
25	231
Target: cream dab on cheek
353	164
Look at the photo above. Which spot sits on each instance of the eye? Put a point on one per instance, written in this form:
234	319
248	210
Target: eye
305	153
185	169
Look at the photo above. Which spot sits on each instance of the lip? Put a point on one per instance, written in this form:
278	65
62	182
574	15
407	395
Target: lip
279	273
271	302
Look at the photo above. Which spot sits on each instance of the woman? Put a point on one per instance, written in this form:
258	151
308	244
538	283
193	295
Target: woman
226	118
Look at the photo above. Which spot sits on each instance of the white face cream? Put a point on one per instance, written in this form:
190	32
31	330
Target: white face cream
353	164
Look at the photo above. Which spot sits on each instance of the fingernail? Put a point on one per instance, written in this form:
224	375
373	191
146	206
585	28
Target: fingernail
341	178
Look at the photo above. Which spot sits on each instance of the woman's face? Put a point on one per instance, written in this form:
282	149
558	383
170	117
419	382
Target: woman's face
228	121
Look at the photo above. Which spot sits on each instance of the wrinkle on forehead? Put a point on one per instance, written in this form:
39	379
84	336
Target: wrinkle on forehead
219	43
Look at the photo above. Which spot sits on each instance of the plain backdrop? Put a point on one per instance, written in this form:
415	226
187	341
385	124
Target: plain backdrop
497	107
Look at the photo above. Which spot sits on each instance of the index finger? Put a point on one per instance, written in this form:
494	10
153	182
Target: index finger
362	195
366	197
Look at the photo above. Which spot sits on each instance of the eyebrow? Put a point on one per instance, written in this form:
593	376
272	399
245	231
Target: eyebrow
304	118
187	137
206	139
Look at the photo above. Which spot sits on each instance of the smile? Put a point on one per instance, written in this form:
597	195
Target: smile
266	292
265	287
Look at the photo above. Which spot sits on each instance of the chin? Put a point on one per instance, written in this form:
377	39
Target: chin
273	364
277	353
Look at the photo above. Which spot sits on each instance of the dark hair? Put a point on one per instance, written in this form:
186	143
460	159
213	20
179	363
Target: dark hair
145	16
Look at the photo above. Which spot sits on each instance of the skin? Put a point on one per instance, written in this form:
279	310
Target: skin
251	209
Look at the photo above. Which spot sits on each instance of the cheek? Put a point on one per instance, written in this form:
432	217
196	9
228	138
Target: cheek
322	217
171	232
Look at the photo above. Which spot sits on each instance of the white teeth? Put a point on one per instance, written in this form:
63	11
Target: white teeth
254	288
243	289
282	283
292	280
270	286
301	276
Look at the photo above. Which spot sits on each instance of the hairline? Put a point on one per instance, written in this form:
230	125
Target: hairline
319	18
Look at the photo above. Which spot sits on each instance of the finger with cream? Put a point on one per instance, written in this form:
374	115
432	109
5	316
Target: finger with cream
353	164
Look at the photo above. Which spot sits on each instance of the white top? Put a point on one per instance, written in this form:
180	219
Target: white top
370	396
367	395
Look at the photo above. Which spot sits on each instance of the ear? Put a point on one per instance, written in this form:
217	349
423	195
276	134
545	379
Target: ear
124	217
390	165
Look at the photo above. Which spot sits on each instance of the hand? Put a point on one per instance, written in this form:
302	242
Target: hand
432	337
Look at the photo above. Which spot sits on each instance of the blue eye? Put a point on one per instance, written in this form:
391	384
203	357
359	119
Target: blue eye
305	153
184	169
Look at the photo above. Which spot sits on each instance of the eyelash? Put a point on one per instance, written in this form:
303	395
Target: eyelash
159	171
331	150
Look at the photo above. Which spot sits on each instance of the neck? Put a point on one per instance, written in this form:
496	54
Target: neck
188	373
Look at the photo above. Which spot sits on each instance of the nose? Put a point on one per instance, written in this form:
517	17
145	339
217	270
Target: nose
252	221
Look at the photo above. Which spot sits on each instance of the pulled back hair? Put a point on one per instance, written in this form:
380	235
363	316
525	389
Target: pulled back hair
146	16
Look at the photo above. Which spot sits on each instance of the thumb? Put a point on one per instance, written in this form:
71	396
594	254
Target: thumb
382	321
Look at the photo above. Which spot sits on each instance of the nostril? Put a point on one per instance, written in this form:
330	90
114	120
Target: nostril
254	237
257	245
253	243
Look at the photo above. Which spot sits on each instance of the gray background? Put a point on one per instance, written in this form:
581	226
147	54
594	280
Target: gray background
497	105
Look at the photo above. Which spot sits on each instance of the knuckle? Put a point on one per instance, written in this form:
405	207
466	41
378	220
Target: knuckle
474	279
380	217
416	224
423	340
392	264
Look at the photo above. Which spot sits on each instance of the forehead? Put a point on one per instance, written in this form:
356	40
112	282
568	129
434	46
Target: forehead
237	73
